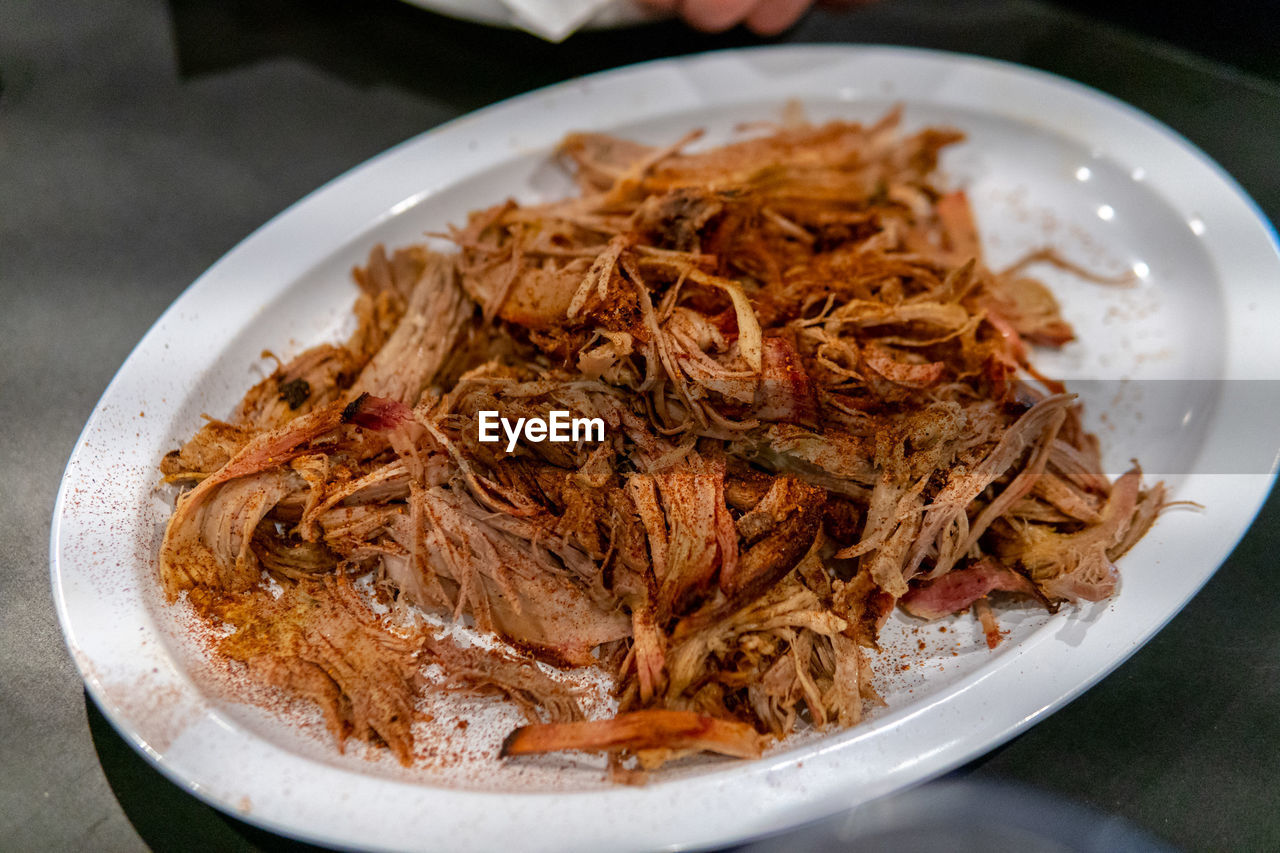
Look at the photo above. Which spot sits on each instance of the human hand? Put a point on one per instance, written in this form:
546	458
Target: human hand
763	17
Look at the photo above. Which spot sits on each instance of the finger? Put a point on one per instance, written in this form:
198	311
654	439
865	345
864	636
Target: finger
773	16
713	16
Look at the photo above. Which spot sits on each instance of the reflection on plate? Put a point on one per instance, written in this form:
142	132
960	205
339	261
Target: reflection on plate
966	815
1047	162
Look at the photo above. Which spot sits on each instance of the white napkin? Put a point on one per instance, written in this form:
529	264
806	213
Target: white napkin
553	20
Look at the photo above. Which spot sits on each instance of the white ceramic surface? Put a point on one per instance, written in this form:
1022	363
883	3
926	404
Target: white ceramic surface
1048	161
621	13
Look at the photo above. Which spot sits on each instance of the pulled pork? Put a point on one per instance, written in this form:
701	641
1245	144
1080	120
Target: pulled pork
817	404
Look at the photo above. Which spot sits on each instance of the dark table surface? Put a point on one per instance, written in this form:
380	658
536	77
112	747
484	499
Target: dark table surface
139	141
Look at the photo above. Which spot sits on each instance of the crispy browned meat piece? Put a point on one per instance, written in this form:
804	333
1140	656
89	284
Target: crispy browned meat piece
639	730
777	532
